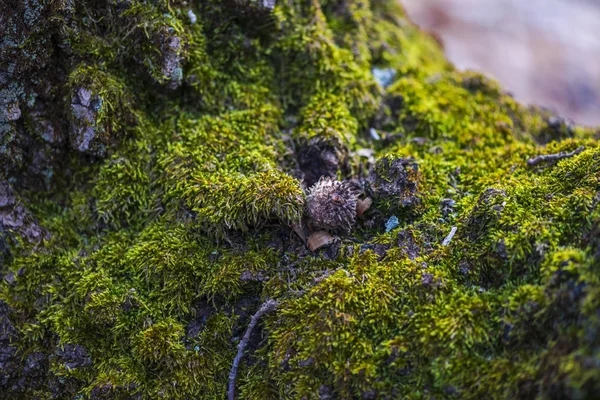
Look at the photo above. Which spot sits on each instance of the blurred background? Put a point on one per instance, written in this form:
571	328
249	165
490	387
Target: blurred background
544	52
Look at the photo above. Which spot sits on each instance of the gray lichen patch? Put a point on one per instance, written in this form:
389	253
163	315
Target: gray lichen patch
14	216
10	112
171	62
84	132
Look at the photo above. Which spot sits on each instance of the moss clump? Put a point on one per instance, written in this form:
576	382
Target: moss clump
152	195
395	182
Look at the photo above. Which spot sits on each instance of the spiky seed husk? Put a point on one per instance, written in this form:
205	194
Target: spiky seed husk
331	205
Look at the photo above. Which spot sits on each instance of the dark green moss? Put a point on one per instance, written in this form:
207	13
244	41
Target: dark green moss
160	237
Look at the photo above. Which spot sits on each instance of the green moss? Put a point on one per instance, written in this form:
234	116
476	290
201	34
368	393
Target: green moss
327	118
160	343
164	239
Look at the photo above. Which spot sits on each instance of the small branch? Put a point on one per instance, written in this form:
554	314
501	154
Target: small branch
448	238
553	157
268	306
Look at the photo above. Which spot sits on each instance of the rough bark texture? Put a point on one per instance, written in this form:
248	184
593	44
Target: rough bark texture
152	157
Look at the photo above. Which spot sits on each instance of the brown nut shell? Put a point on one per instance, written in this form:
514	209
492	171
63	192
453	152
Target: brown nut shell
363	205
319	239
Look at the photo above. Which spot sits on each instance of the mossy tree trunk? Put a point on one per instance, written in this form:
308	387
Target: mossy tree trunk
155	158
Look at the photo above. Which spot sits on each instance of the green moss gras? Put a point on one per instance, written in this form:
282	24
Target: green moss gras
162	246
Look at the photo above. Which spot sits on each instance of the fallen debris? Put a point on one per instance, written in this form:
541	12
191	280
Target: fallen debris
374	135
267	307
331	205
448	238
192	17
384	76
553	157
392	223
319	239
363	205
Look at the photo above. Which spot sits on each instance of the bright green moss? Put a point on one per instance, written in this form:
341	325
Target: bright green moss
327	119
160	343
134	190
226	186
163	244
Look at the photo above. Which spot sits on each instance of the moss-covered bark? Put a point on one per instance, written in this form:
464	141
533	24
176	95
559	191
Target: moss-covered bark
155	157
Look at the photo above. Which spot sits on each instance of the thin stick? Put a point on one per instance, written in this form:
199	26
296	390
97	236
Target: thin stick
553	157
267	306
448	238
